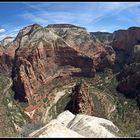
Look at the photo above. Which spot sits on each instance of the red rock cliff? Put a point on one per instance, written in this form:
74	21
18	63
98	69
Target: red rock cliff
43	55
81	102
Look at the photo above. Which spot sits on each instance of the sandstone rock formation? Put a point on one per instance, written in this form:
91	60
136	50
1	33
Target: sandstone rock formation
39	59
65	26
129	81
127	49
81	102
7	58
44	54
123	42
6	41
80	39
128	41
77	126
103	37
34	61
38	55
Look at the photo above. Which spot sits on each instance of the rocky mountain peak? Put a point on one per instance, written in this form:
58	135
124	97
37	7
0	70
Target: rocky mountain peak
4	42
64	26
34	33
26	31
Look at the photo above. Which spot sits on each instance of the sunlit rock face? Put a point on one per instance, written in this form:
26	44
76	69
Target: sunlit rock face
43	54
6	41
87	43
7	54
77	126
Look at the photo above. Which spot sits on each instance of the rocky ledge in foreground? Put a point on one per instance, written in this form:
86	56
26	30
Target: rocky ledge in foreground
68	125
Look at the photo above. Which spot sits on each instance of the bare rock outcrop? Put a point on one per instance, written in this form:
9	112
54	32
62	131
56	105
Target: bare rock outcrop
135	54
128	41
81	102
7	55
34	63
6	41
129	81
122	42
80	39
44	54
104	37
68	125
126	44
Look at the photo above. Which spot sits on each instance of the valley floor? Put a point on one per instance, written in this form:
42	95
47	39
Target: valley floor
108	104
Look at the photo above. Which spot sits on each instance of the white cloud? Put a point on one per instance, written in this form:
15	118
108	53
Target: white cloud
85	14
2	30
88	13
10	33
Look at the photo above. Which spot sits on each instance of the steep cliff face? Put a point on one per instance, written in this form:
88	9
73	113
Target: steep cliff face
7	58
128	41
135	54
106	39
59	50
80	39
123	42
127	49
81	102
129	81
34	62
43	55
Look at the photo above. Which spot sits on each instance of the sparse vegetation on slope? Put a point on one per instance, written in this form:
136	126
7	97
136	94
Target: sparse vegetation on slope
12	116
108	103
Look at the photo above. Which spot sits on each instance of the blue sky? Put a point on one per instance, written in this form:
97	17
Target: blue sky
95	16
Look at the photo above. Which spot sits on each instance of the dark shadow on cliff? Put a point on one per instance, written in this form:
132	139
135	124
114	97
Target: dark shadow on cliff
121	59
19	93
72	105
